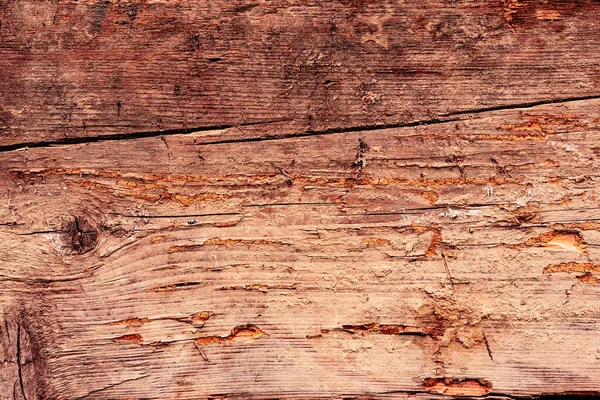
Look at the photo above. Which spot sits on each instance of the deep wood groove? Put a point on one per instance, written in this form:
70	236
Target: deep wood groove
331	131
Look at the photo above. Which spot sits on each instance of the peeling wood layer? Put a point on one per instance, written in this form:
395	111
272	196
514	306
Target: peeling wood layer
315	259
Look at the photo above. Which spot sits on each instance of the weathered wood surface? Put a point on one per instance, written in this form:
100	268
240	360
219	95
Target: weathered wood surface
364	263
76	69
363	200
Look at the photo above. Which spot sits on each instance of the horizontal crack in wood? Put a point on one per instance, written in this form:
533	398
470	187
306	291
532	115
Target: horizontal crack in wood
440	119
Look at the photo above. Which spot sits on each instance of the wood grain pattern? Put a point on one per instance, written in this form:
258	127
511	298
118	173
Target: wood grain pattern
77	69
451	259
297	199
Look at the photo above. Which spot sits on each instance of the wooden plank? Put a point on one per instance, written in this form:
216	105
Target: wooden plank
78	71
454	258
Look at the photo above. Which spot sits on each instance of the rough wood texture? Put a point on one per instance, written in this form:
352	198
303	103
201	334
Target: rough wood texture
76	69
299	200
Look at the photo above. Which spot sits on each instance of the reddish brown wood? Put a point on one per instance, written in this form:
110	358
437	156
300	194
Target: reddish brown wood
96	68
294	199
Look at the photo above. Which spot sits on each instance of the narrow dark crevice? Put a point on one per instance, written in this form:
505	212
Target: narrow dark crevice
440	119
149	134
111	386
128	136
40	232
333	131
289	204
19	361
487	347
176	215
492	395
520	105
419	393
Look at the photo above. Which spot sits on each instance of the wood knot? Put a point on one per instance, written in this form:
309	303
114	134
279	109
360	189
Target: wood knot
82	236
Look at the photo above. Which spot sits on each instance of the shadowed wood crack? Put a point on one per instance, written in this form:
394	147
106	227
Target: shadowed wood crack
440	119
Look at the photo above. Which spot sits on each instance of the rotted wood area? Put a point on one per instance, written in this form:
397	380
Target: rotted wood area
210	199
